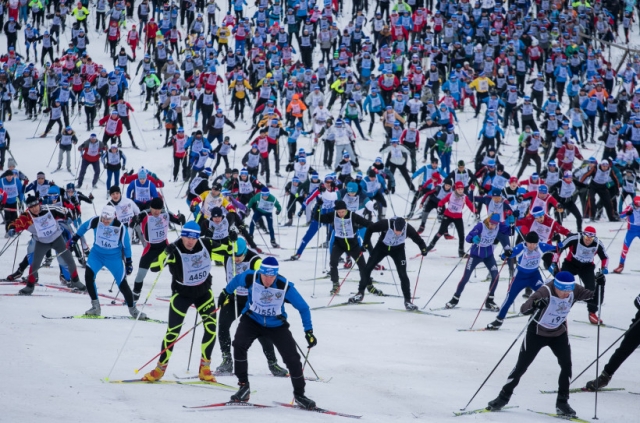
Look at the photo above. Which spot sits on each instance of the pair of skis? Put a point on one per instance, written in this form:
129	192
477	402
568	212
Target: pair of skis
485	410
232	404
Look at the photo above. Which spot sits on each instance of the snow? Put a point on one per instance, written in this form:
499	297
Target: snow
384	365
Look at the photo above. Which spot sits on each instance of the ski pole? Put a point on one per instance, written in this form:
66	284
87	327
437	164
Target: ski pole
112	283
297	228
315	269
393	276
7	244
306	360
15	255
52	154
605	351
415	288
595	411
136	321
488	293
448	276
345	278
501	358
193	338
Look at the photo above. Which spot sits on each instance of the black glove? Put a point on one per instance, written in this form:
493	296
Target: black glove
192	208
516	213
424	251
233	233
636	302
519	198
171	249
129	265
182	219
223	299
601	280
322	188
440	210
312	341
300	212
629	212
122	167
556	237
134	221
278	212
90	196
541	303
507	253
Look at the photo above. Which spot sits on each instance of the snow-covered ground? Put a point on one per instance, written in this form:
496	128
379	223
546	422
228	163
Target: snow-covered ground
383	364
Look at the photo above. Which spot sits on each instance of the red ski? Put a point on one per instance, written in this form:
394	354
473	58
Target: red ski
230	404
317	410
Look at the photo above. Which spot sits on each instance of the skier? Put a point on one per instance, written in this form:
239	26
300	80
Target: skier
392	244
550	306
632	213
264	315
528	255
483	236
42	222
154	226
241	260
111	242
262	205
189	262
455	202
582	249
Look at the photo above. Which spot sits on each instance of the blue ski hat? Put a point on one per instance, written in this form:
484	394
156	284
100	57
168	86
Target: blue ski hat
240	248
191	230
352	187
496	192
269	266
564	281
537	211
264	191
495	218
543	189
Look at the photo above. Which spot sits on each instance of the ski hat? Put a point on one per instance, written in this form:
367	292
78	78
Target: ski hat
496	192
191	230
108	212
11	163
352	187
142	174
543	189
156	203
398	224
567	174
495	218
244	172
537	211
491	163
532	237
513	179
340	205
564	281
458	184
32	201
264	191
534	176
240	249
295	179
216	212
589	231
269	266
114	189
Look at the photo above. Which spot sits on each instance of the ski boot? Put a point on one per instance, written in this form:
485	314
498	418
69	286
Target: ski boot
593	319
95	309
357	298
76	284
499	402
155	374
274	244
15	275
276	370
409	306
375	291
527	292
336	289
619	269
289	223
294	257
490	304
420	229
304	402
47	262
205	372
64	281
243	393
495	325
452	302
27	290
137	314
603	380
226	366
564	409
462	254
448	236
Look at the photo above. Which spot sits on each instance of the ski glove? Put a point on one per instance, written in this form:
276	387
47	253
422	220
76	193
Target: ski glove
129	265
72	242
636	302
476	239
511	220
541	303
600	278
507	253
171	249
605	271
233	233
182	219
556	237
311	339
424	251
